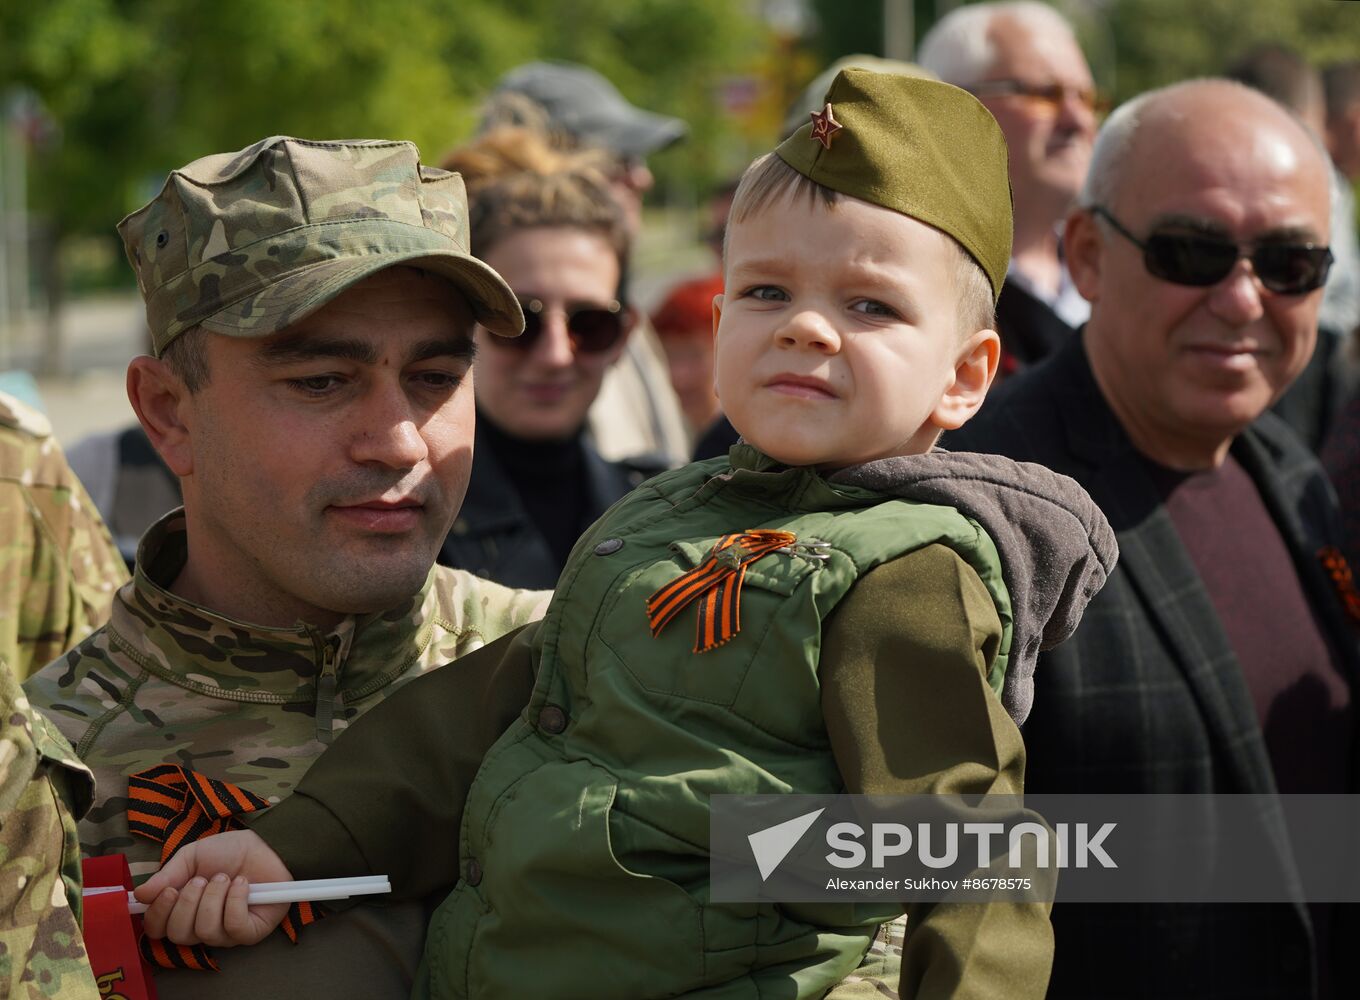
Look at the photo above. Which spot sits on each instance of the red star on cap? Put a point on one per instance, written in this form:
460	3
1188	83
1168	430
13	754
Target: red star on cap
825	126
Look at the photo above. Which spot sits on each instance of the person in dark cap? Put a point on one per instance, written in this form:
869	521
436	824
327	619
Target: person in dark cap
636	415
892	600
584	106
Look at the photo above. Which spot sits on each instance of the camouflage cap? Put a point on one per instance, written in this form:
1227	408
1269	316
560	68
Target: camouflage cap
923	148
247	243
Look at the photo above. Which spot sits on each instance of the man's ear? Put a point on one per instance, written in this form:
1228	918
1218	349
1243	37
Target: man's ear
1083	252
974	371
162	403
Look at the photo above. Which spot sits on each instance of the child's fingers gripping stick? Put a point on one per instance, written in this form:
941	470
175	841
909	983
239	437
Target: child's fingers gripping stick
213	912
187	906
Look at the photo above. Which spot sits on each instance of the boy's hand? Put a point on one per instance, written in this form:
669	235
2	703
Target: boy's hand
199	897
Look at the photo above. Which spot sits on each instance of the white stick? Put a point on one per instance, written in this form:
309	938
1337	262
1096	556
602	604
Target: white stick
307	890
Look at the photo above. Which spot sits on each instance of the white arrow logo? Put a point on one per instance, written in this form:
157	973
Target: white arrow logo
772	845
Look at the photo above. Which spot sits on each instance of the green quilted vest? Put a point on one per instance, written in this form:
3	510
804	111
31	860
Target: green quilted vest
584	841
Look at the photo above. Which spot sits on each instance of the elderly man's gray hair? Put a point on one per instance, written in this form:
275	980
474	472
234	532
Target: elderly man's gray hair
959	49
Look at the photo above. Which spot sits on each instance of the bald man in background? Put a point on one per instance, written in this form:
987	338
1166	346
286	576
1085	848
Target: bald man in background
1219	658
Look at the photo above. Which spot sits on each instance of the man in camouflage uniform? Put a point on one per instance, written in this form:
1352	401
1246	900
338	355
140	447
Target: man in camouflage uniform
58	566
42	786
311	306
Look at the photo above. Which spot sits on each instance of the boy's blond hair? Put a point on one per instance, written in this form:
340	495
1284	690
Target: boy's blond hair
769	180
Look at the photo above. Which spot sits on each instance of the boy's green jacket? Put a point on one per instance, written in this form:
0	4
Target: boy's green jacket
582	865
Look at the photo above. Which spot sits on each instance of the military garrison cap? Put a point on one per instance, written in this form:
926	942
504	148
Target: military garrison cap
926	149
247	243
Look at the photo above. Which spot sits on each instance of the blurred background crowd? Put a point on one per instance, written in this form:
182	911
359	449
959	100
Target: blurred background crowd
101	98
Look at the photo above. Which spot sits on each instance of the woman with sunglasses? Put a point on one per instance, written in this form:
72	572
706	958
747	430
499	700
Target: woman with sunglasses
547	222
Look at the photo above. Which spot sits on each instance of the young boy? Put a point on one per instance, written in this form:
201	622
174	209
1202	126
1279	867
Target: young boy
892	603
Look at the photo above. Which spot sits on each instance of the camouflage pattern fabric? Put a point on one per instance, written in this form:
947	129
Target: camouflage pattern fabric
59	568
42	786
880	969
248	243
169	681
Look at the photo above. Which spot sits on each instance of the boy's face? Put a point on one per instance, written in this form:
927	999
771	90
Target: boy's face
838	337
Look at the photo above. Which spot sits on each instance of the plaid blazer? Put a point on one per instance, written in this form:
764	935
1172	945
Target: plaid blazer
1148	696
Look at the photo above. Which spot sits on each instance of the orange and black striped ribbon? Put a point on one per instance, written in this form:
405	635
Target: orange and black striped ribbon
1342	579
718	581
175	806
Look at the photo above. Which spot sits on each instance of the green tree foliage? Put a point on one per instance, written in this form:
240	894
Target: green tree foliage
1156	42
1134	45
137	87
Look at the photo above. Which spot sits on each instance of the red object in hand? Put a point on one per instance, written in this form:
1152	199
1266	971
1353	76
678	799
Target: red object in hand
111	932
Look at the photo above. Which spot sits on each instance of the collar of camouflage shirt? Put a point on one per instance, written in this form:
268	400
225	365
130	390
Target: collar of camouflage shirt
205	652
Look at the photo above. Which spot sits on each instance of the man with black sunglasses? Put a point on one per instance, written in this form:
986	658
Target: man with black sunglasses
1219	658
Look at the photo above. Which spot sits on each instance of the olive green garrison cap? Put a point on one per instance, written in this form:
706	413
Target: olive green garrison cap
926	149
247	243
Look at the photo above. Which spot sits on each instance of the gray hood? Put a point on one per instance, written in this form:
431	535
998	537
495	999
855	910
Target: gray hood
1056	547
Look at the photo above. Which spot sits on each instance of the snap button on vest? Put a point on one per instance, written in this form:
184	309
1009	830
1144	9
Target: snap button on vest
474	872
609	546
552	720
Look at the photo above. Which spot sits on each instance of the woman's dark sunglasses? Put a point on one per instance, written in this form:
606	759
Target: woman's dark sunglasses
591	329
1187	259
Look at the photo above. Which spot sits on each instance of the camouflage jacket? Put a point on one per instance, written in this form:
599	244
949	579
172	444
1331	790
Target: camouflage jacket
169	681
58	566
42	787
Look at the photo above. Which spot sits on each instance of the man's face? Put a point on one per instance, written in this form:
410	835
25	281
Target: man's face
838	339
1184	365
540	389
1049	143
328	461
